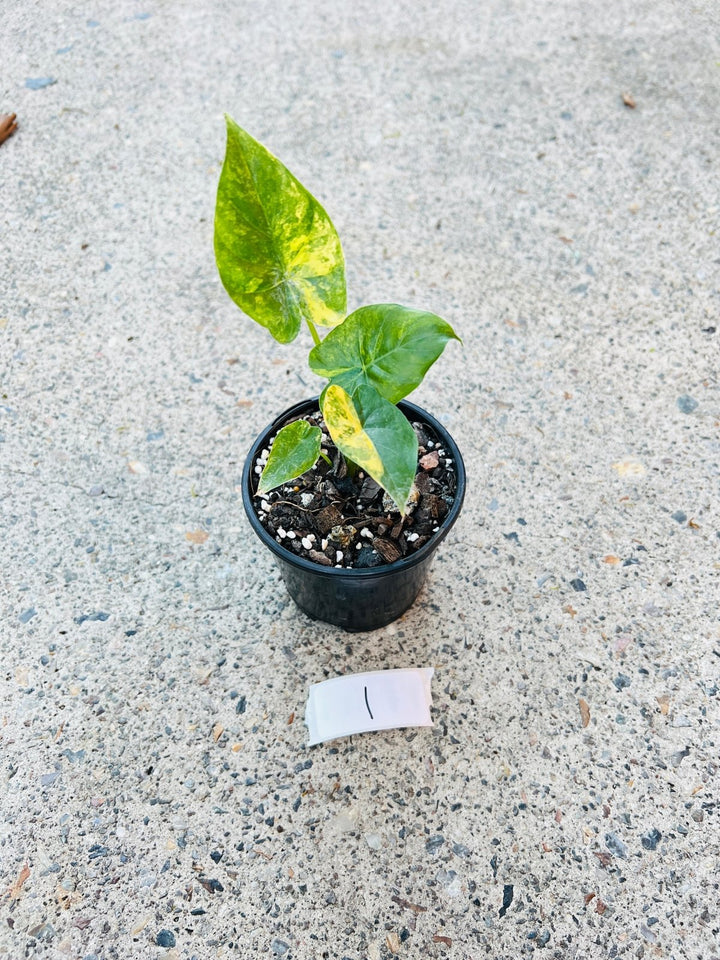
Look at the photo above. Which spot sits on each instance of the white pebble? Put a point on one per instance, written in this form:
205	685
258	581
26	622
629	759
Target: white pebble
265	506
306	499
338	555
258	470
366	533
265	454
291	535
323	544
430	444
435	529
281	533
358	546
307	543
412	537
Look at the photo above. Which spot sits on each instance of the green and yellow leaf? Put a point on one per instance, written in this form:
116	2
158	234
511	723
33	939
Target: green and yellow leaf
277	252
374	434
295	449
385	346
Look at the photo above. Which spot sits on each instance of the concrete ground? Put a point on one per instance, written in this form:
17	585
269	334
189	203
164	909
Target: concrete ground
480	159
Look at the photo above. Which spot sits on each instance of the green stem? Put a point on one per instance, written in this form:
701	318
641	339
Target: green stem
352	468
314	333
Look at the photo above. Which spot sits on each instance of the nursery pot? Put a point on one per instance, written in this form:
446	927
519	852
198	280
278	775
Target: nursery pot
355	599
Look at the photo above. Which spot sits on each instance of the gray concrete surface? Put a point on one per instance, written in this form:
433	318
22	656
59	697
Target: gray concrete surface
157	797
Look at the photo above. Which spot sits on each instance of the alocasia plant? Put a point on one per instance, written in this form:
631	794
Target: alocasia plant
280	259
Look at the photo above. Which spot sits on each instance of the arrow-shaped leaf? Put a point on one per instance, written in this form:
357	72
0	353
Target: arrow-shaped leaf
277	252
295	449
374	434
385	346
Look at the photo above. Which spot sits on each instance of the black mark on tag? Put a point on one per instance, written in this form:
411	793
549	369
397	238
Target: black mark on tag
368	705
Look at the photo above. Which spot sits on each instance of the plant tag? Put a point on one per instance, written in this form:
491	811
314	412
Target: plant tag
361	702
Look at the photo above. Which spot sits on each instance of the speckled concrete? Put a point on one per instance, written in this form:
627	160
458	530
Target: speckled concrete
157	797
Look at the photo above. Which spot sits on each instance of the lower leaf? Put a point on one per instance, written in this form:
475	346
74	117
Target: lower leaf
296	448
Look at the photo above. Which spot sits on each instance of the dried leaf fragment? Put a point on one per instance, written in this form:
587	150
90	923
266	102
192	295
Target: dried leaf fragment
584	711
588	897
416	908
197	536
629	100
8	126
14	891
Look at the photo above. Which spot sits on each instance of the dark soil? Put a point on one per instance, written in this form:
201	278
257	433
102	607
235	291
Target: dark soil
337	520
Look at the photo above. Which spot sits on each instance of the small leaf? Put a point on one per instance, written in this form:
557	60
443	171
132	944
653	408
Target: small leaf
296	448
373	433
385	346
277	252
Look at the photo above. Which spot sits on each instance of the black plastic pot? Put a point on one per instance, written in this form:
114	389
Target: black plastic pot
356	599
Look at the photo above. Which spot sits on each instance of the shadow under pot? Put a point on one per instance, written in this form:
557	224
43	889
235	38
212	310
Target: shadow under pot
357	598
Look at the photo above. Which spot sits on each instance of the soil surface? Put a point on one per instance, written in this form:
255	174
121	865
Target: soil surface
337	520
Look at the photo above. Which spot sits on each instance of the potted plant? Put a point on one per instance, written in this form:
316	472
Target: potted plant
354	490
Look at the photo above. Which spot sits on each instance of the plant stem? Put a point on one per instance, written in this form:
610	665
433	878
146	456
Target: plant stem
314	333
352	468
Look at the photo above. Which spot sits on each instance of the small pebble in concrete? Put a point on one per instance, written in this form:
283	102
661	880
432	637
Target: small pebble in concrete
508	894
166	938
677	758
687	404
651	839
616	846
434	843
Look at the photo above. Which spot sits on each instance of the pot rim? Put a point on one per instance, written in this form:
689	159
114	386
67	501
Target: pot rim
412	411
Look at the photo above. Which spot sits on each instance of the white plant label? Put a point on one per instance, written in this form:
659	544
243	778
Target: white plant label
361	702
